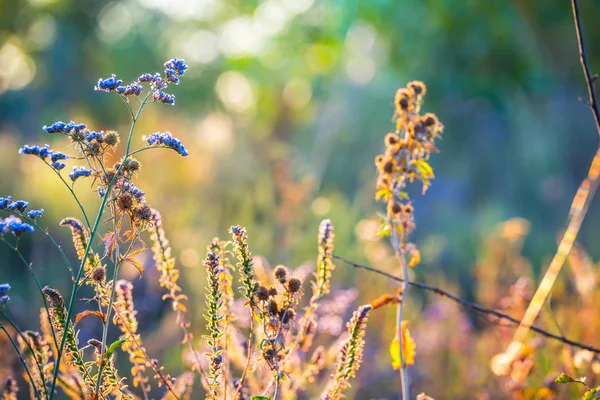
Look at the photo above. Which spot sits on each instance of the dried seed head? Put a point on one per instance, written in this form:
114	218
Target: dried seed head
261	293
99	274
272	292
273	307
294	285
388	167
417	87
280	274
111	138
396	208
143	213
125	202
131	165
288	316
391	139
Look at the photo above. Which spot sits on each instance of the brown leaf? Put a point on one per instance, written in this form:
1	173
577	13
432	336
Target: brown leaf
90	313
110	243
136	264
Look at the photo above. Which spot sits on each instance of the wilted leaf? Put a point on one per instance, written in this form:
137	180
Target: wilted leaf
384	300
136	264
90	313
110	243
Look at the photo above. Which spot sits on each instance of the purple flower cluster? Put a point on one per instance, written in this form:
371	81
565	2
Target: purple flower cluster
33	214
128	90
19	205
14	225
44	152
77	173
163	97
4	298
108	84
4	202
167	140
61	127
93	135
134	191
175	66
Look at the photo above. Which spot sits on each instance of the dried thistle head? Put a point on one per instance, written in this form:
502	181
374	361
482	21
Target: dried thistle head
280	274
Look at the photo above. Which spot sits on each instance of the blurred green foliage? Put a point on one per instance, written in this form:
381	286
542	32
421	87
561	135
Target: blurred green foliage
285	106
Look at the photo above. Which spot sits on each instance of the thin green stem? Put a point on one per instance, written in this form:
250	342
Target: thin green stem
70	188
87	250
400	313
37	394
20	333
37	283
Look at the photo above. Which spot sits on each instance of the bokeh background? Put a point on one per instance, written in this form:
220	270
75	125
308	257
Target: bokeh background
283	109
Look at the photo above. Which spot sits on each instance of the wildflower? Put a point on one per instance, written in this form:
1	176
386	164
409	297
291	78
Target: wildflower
167	140
324	263
19	205
41	152
108	84
57	155
17	228
111	138
4	299
145	78
61	127
245	263
4	202
93	135
128	90
133	190
4	287
163	97
142	214
213	316
77	173
57	165
33	214
262	293
176	65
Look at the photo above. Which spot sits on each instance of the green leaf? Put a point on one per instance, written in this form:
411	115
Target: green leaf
592	394
384	230
564	378
114	345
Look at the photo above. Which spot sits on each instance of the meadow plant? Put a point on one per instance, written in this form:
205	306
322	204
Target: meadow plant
258	346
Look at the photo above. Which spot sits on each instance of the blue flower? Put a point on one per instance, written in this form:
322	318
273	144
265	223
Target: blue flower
19	205
57	165
57	155
134	89
93	135
177	65
163	97
167	140
14	225
145	78
41	152
134	191
33	214
108	84
4	202
77	173
4	299
4	287
61	127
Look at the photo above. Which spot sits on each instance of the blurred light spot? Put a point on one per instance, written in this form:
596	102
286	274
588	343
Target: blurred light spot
297	6
184	9
114	22
42	32
240	37
189	258
320	58
215	131
197	47
320	206
360	70
367	229
297	93
17	69
360	38
359	44
270	17
235	91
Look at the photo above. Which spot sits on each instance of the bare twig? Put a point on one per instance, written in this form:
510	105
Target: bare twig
470	305
580	204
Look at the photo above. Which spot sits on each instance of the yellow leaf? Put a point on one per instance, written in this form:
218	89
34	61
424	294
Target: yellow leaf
409	350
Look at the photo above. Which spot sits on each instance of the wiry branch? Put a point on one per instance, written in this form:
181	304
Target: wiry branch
470	305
